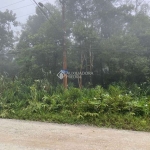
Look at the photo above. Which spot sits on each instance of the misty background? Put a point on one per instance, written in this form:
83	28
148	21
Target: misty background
109	38
22	8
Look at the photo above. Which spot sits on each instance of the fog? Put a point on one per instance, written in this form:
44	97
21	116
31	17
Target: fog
22	8
109	39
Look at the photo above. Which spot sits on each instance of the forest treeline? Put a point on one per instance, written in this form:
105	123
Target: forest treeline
110	38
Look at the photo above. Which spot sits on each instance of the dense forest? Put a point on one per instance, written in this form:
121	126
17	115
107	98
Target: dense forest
110	38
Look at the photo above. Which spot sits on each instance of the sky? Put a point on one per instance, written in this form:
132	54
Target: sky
22	8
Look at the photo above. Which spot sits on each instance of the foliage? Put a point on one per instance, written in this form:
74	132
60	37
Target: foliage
39	46
104	37
7	42
6	35
118	106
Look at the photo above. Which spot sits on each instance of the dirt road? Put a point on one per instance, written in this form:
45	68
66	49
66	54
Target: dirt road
25	135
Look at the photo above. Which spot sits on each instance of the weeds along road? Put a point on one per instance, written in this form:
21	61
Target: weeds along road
27	135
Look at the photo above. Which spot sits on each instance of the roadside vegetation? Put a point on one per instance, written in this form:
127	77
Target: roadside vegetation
118	106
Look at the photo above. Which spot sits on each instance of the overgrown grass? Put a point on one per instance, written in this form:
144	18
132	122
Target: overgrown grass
119	106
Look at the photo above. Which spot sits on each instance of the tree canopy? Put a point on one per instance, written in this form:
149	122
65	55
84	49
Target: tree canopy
109	38
6	34
7	41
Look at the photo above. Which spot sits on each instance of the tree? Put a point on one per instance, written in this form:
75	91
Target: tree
125	58
94	21
105	37
7	21
40	45
6	33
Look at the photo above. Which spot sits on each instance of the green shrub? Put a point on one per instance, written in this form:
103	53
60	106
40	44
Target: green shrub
119	106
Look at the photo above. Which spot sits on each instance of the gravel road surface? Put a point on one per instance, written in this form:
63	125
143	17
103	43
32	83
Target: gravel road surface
29	135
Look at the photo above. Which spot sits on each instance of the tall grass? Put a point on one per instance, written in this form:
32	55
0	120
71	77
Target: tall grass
118	106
